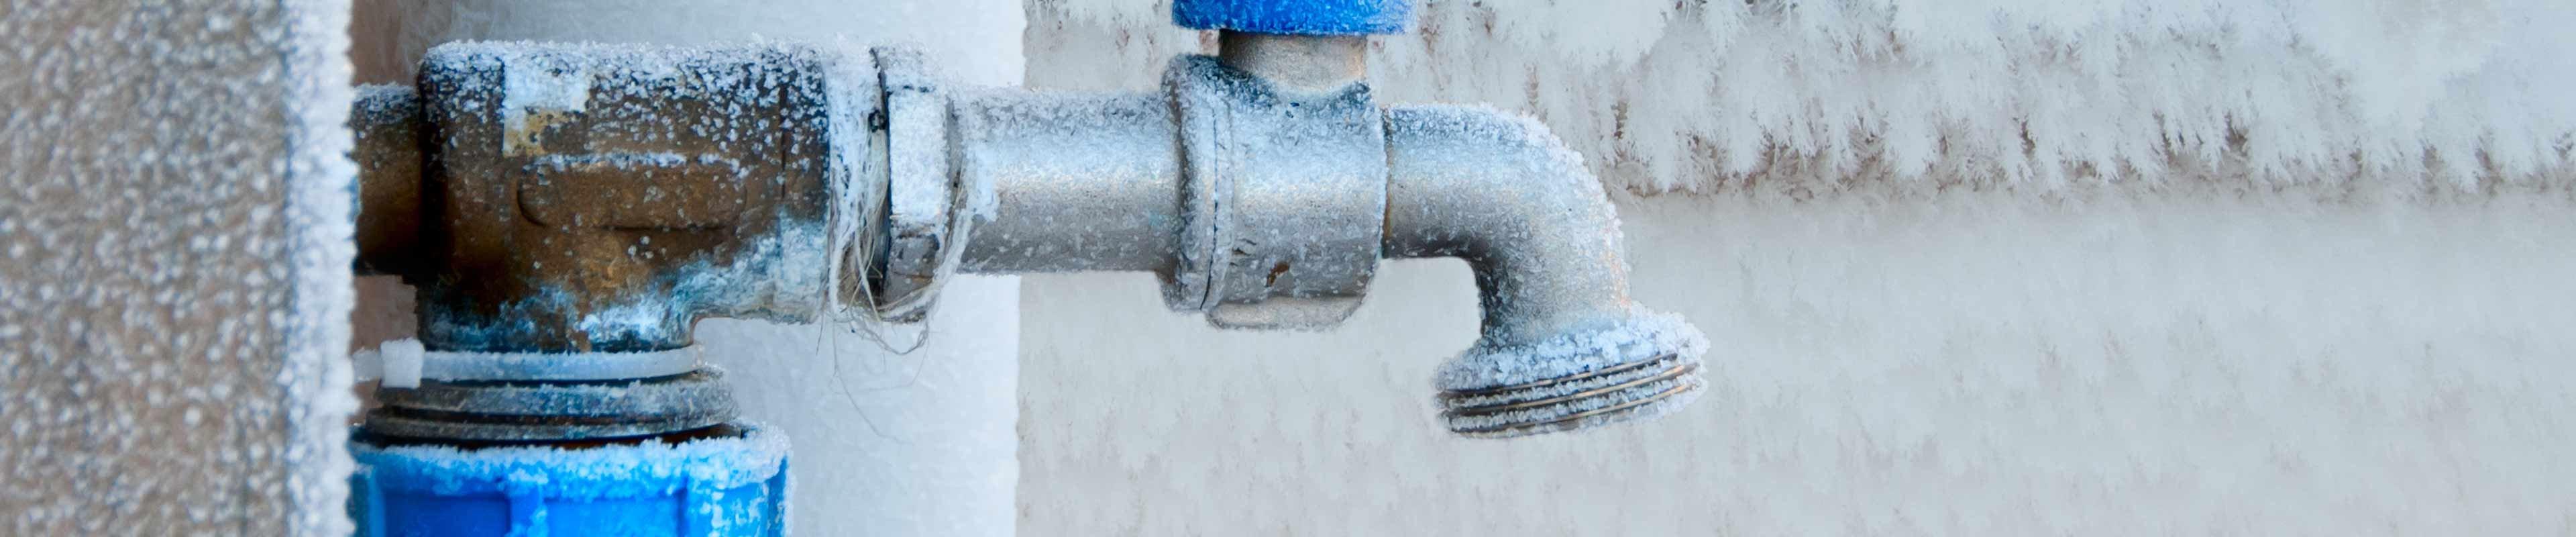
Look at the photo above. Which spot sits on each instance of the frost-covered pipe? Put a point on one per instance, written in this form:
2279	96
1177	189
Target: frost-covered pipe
1563	346
1245	192
1077	181
1503	194
1258	204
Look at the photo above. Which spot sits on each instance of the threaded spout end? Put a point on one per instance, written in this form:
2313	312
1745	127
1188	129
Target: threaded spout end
1641	367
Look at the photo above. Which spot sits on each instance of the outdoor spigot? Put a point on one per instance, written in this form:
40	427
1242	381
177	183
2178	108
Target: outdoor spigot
1563	346
551	198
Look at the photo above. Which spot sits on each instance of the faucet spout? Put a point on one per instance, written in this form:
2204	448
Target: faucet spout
1563	347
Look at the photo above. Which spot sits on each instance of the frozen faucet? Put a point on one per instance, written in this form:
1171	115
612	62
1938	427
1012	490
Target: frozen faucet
1264	186
569	211
597	200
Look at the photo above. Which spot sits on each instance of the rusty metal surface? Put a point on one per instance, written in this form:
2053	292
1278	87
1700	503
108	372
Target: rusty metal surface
572	202
617	196
386	122
1112	204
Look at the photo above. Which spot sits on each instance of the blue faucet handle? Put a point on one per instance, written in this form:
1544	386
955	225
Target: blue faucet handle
1300	17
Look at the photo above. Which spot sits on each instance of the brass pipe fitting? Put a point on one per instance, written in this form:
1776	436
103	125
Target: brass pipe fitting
591	198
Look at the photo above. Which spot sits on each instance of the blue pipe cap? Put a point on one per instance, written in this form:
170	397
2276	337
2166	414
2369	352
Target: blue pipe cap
721	487
1301	17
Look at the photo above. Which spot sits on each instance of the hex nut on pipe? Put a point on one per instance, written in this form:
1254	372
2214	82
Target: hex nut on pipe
927	214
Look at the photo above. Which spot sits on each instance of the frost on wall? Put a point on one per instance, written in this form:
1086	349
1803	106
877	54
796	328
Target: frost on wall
1809	98
175	210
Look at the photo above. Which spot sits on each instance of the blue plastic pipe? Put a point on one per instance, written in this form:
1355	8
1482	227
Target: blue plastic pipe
1302	17
723	487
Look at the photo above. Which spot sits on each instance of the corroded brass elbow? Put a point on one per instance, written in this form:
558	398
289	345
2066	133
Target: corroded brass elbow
587	198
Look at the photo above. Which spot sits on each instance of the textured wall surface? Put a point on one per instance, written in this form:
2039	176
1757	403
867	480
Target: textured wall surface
1963	355
919	443
173	204
1819	97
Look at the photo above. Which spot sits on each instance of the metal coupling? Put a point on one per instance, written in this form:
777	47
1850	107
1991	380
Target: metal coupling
1284	196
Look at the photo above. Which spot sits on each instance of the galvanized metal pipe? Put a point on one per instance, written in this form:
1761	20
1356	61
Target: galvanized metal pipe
1563	347
1078	181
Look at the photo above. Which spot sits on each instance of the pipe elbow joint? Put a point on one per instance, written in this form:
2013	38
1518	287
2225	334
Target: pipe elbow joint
1563	346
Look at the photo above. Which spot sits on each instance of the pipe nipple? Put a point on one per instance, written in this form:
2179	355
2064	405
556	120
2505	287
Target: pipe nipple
1641	367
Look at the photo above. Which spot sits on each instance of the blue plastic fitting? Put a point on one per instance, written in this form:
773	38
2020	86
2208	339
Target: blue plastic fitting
1302	17
726	487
